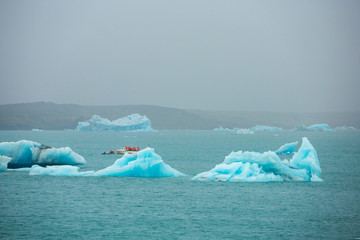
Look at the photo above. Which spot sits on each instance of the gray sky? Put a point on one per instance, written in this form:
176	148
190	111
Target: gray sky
222	55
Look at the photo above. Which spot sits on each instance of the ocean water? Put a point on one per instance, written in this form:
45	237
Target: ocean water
50	207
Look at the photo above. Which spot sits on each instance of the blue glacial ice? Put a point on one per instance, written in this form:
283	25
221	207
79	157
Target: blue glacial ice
288	148
266	167
264	128
145	163
26	153
134	122
316	127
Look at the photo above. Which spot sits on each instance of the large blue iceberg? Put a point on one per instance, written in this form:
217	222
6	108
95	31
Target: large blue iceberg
26	153
145	163
264	128
288	148
266	167
134	122
316	127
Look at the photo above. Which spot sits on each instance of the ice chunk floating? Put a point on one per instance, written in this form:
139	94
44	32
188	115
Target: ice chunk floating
264	128
266	167
26	153
145	163
134	122
316	127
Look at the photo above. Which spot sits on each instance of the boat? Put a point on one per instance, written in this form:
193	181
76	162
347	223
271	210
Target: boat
128	150
123	150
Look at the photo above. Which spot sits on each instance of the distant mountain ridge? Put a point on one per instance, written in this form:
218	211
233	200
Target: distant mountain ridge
52	116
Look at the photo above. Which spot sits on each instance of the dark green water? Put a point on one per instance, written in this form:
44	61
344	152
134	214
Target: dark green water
49	207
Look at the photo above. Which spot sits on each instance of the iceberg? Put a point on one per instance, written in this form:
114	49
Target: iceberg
288	148
316	127
345	128
244	131
26	153
266	167
145	163
134	122
264	128
221	129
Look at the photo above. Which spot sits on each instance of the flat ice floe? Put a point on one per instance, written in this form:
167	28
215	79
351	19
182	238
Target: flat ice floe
26	153
134	123
266	167
145	163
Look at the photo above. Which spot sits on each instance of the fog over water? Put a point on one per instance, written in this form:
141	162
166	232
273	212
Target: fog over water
212	55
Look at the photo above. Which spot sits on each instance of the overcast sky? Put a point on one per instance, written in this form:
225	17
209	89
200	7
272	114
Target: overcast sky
197	54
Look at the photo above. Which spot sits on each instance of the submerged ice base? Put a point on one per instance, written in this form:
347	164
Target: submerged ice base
134	123
26	153
266	167
145	163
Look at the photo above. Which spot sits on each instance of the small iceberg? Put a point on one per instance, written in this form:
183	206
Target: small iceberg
345	128
36	130
316	127
264	128
244	131
145	163
132	123
266	167
288	148
26	153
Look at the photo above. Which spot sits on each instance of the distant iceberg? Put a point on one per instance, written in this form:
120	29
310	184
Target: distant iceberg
26	153
345	128
36	130
145	163
264	128
288	148
316	127
266	167
221	129
244	131
134	122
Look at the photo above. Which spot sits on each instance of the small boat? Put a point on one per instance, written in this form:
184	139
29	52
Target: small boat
110	152
129	150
